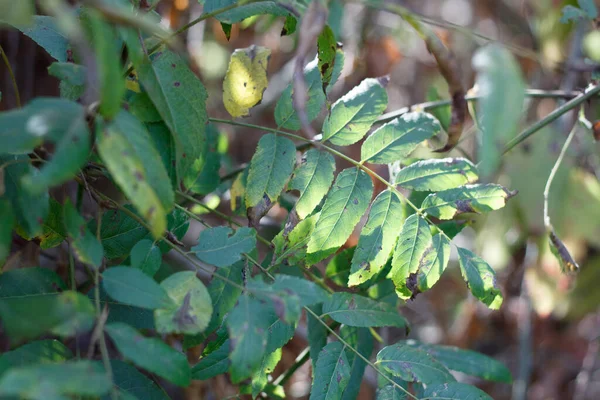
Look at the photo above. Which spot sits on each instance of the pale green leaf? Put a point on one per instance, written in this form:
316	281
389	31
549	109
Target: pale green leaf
267	366
398	138
331	374
437	174
454	391
478	198
354	310
345	204
222	246
312	179
270	167
69	72
293	248
412	365
86	246
354	113
377	237
131	286
480	278
146	256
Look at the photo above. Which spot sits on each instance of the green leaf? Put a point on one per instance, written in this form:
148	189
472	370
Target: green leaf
312	179
412	365
59	121
293	248
331	373
208	179
29	281
192	308
7	217
119	233
270	167
180	98
124	162
587	9
354	310
82	318
164	143
500	106
150	353
354	113
44	31
398	138
53	229
431	266
437	174
131	382
289	26
286	115
454	391
146	256
467	361
243	11
222	246
131	286
55	381
338	269
140	318
317	333
413	244
326	54
30	210
345	204
308	292
267	366
141	106
361	340
247	324
390	392
377	238
69	72
40	352
213	364
478	198
86	246
480	278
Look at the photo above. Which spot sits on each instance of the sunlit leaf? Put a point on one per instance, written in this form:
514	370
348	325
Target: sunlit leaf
293	247
480	278
312	179
260	378
437	174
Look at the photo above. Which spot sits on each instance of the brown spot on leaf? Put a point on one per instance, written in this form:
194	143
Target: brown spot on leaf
464	206
176	84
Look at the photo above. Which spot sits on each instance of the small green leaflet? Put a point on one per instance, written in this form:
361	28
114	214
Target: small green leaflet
354	113
223	295
243	11
413	244
293	248
191	306
354	310
150	353
431	266
208	179
87	247
412	365
398	138
131	382
437	174
377	238
480	278
326	54
454	391
478	198
213	364
312	179
345	204
131	286
222	246
260	378
146	256
270	167
307	292
331	374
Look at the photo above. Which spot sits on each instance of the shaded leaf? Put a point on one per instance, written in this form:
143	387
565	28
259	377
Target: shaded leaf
390	392
222	246
223	295
338	269
312	179
213	364
131	382
354	113
317	334
412	365
85	245
29	281
437	174
245	80
289	26
361	340
398	138
326	54
431	265
44	31
39	352
560	251
331	374
68	72
131	286
454	391
208	179
53	229
354	310
146	256
587	9
150	353
377	237
140	318
119	233
480	278
7	217
244	11
308	292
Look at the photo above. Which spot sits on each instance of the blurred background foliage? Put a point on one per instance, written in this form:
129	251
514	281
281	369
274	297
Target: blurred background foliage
548	329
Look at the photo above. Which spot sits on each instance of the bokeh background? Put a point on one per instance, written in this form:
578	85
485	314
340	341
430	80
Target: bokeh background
547	332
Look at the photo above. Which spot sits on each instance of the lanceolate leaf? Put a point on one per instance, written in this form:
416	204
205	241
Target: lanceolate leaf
270	168
208	179
86	246
331	373
222	246
466	199
46	33
431	266
412	365
454	391
53	229
223	295
377	238
131	286
180	98
360	339
293	247
131	382
433	175
312	179
317	333
353	114
354	310
246	80
260	378
327	49
346	202
480	278
150	353
213	364
398	138
413	244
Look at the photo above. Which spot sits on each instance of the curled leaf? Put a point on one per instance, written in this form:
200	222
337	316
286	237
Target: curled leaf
560	251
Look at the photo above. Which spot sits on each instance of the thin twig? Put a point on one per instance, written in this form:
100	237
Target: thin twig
12	77
302	358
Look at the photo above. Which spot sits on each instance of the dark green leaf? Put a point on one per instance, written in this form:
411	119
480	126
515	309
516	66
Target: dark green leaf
354	310
354	113
69	72
377	238
312	179
289	26
331	374
317	333
480	278
39	352
143	109
244	11
397	139
345	204
53	229
86	246
208	179
131	382
140	318
213	364
82	317
390	392
454	391
361	340
437	174
222	246
146	257
165	145
150	353
119	233
326	54
29	281
44	31
7	217
412	365
338	269
308	292
131	286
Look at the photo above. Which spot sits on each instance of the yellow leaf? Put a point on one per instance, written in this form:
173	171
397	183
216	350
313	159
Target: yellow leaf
246	80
